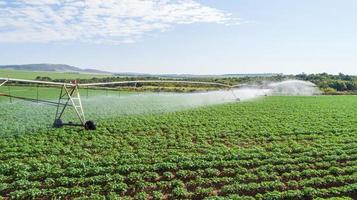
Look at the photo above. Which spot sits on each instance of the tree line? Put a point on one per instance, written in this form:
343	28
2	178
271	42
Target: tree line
328	83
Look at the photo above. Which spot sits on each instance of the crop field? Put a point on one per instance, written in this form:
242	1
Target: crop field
30	75
269	148
24	117
50	93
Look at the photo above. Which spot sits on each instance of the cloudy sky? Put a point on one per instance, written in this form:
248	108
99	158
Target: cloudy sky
182	36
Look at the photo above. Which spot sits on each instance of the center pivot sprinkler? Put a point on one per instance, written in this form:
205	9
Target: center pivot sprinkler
70	97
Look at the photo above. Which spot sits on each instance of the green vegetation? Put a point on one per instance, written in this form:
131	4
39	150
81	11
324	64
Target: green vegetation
273	148
329	84
46	93
49	93
340	83
31	75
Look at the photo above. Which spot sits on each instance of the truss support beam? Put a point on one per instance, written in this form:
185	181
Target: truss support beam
69	98
3	83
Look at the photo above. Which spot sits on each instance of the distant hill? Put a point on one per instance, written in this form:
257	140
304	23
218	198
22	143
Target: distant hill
52	68
69	68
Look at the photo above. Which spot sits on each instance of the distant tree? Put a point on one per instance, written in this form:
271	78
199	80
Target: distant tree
338	85
43	78
302	76
345	77
351	85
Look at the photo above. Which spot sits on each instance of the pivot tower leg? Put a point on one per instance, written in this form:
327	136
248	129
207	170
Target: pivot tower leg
70	98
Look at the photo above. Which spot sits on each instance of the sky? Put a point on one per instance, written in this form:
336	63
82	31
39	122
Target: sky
183	36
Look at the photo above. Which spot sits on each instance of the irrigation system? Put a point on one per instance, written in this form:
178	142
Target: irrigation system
69	97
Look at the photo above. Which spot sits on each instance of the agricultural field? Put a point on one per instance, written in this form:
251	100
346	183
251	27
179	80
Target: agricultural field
49	93
269	148
23	117
31	75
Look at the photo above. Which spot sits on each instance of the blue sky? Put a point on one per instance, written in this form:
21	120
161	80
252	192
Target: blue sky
189	36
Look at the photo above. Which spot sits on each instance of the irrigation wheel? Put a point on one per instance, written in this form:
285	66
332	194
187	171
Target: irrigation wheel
58	123
90	125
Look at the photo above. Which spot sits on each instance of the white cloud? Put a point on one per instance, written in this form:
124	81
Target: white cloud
98	21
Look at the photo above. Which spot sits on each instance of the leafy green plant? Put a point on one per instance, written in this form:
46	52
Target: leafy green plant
272	148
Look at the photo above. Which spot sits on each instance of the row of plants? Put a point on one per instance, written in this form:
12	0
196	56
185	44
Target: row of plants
273	148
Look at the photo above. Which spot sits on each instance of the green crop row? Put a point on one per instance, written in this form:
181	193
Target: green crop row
272	148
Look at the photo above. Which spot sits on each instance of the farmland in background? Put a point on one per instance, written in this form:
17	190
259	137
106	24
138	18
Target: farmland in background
31	75
50	93
271	148
327	83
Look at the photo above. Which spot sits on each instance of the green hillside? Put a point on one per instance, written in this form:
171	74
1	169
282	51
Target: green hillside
53	75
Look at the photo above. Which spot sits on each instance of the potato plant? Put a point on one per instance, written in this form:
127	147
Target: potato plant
272	148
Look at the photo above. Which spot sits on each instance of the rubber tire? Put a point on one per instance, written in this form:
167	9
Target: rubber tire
58	123
90	125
